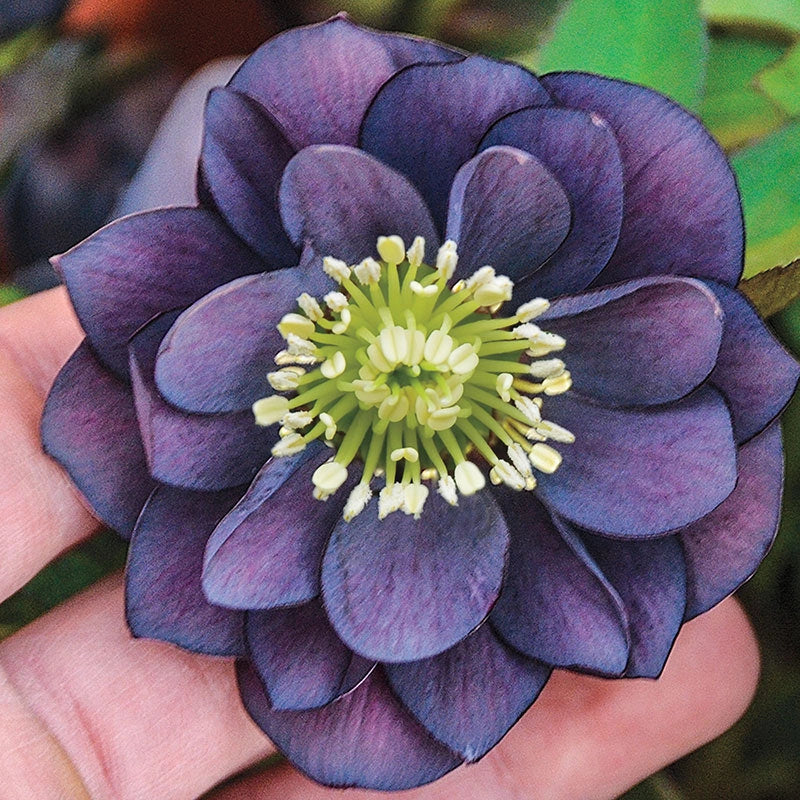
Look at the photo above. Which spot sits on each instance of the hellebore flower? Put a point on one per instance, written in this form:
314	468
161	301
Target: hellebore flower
444	383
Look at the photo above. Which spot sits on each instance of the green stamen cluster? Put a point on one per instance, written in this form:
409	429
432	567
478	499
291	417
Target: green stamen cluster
410	376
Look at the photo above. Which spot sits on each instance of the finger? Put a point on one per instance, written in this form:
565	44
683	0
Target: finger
42	512
587	738
136	718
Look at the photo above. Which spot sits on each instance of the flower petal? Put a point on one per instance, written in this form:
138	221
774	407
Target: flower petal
643	342
217	354
682	210
89	426
300	659
556	605
267	551
650	577
581	152
428	120
469	696
341	200
402	589
204	452
242	158
754	371
318	80
639	473
365	739
507	210
724	548
144	264
163	597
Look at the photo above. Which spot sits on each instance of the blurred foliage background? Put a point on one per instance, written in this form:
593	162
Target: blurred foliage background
84	83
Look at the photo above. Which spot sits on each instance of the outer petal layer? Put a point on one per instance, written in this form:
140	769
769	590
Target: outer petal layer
89	426
365	739
469	696
163	598
682	211
403	589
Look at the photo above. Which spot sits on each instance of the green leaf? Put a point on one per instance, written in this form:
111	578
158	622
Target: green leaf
8	294
769	180
779	16
14	51
734	111
662	45
781	82
774	289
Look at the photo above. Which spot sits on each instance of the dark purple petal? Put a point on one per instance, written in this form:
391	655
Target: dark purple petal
429	119
300	659
89	426
365	739
163	596
217	354
650	577
144	264
639	473
507	210
724	548
403	589
205	452
581	152
243	155
556	605
682	211
469	696
643	342
318	80
340	200
267	551
754	371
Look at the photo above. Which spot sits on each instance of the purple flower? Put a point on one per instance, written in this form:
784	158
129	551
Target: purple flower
603	374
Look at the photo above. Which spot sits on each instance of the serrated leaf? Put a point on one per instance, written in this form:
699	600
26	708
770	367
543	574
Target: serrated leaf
781	82
769	180
779	16
662	45
774	289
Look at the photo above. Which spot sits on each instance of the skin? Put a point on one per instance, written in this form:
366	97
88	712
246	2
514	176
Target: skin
86	711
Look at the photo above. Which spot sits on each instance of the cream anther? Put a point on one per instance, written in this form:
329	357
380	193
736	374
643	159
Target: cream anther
394	408
310	307
327	478
298	346
469	478
544	343
423	291
368	271
407	453
391	249
551	430
357	502
416	252
463	360
447	259
414	497
330	425
532	309
336	301
285	358
438	347
284	380
334	366
503	472
297	419
496	291
545	458
269	410
289	445
296	324
390	499
336	269
546	369
503	385
557	384
345	317
530	409
519	458
447	489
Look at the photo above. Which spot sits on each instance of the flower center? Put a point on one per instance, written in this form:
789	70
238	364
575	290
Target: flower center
411	377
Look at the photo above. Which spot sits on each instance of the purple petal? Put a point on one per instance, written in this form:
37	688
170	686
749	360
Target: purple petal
682	211
429	119
556	605
641	472
365	739
724	548
89	426
754	371
267	551
163	597
469	696
507	210
300	659
205	452
318	80
144	264
217	354
642	342
402	589
650	577
341	200
243	155
581	152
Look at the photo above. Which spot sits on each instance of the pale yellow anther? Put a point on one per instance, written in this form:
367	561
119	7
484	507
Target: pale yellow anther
530	409
532	309
407	453
503	472
416	252
357	501
289	445
298	346
443	418
336	268
368	271
469	479
495	292
519	458
296	324
526	331
297	419
414	497
327	479
370	394
429	474
545	343
447	259
463	359
423	291
458	286
394	344
481	277
415	347
546	369
336	301
391	249
284	380
345	318
545	458
390	499
503	386
551	430
438	347
394	408
447	489
269	410
558	384
334	366
310	307
330	425
285	358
